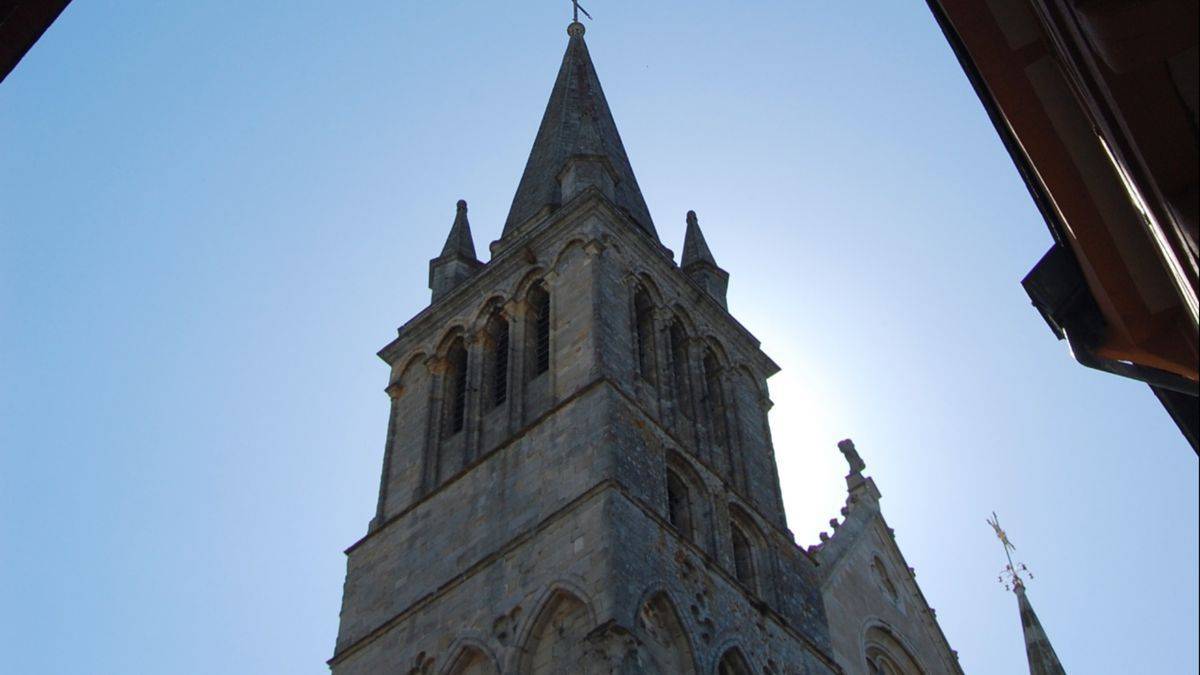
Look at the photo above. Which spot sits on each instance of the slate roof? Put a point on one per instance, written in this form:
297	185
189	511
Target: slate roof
577	121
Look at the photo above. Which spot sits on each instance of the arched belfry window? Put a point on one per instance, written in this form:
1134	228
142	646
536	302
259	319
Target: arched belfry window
679	505
714	400
679	369
743	557
538	330
496	377
455	401
643	327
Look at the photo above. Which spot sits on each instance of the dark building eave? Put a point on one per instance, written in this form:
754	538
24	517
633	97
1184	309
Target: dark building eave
22	23
1064	287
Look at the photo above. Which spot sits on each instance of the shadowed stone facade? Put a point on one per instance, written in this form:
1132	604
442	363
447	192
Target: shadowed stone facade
578	475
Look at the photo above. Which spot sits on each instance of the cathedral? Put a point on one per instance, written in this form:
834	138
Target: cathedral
578	475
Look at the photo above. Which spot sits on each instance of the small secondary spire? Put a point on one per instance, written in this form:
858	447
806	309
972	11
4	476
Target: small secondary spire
1038	650
695	248
459	242
698	263
457	261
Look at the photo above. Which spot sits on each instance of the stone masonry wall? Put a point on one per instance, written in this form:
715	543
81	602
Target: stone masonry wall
872	599
557	498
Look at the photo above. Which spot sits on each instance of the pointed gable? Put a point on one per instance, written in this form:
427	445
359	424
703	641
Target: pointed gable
577	123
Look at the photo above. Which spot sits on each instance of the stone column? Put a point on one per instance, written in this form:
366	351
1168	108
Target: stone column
474	344
394	391
627	377
734	448
551	278
662	348
779	515
597	269
701	434
431	454
517	368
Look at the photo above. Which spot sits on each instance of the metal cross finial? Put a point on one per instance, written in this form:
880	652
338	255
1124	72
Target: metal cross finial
1001	534
1012	574
578	9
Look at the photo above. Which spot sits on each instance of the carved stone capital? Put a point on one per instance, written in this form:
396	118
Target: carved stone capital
438	365
514	310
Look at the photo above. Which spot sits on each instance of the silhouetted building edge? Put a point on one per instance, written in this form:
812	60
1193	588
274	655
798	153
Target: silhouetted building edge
21	24
1095	100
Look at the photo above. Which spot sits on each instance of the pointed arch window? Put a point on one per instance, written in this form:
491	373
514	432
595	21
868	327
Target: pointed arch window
455	400
664	638
733	663
538	330
497	361
887	656
714	400
643	325
679	370
743	557
679	505
558	636
472	661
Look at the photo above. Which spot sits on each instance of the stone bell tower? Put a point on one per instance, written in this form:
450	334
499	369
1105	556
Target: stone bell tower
578	475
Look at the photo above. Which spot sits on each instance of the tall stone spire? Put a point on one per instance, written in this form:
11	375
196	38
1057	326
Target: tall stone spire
457	262
577	147
698	262
1039	651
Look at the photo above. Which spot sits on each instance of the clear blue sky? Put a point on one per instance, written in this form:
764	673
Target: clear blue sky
212	214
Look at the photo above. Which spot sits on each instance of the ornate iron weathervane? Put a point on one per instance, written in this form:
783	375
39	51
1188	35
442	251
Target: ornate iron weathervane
1012	577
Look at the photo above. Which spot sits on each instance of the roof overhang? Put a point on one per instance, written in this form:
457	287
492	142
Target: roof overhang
1118	198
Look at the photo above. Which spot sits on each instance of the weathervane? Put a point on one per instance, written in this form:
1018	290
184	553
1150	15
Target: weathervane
578	9
1011	578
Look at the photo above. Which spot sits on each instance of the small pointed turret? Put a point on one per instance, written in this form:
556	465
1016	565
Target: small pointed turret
577	147
457	262
1039	651
698	262
459	242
